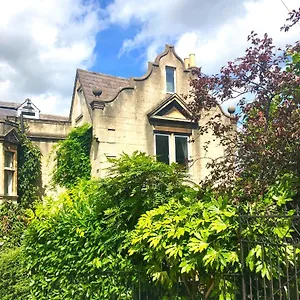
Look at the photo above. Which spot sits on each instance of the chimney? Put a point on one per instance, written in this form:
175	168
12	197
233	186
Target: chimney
192	60
187	62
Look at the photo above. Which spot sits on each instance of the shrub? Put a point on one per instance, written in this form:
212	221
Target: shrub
12	225
80	251
14	283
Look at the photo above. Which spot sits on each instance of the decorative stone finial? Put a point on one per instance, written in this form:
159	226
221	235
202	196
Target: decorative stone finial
231	109
97	92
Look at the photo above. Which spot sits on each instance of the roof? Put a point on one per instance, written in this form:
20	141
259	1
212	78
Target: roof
54	118
9	109
4	112
9	105
110	85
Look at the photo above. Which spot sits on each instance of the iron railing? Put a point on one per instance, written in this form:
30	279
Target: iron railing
274	273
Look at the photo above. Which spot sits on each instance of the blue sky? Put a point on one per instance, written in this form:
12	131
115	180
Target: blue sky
108	45
109	60
42	43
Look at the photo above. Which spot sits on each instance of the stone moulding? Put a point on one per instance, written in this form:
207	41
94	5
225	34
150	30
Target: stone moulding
151	65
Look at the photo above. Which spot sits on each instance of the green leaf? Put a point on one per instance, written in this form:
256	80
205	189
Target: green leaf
196	245
154	241
218	225
210	257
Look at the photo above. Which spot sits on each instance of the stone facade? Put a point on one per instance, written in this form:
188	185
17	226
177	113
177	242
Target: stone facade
130	113
147	114
44	130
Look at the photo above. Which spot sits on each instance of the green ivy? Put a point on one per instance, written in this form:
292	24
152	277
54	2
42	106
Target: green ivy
29	172
73	157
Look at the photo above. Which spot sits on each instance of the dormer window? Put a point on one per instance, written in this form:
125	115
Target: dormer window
170	79
28	110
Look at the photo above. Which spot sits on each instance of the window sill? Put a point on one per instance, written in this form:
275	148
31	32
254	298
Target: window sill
11	198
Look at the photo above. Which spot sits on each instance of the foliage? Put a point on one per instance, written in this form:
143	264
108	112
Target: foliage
13	222
181	241
136	177
93	240
197	242
293	18
72	157
267	143
29	172
71	243
14	283
81	237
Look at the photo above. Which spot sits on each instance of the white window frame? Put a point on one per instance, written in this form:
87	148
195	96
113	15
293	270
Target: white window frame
187	143
174	70
12	171
172	145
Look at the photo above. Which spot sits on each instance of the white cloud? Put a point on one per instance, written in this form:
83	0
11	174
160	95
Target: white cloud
215	30
42	44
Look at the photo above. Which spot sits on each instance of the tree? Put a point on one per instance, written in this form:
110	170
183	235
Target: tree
294	18
266	144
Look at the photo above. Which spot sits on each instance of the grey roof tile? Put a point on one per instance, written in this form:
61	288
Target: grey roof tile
53	117
110	85
9	105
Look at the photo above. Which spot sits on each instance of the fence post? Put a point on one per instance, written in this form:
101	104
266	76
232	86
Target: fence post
244	293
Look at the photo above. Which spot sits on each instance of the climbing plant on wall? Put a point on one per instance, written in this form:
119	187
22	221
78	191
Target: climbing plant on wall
72	158
29	171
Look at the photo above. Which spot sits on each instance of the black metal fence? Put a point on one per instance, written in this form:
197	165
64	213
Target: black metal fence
272	272
269	256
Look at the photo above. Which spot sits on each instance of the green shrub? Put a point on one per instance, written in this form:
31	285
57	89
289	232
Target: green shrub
13	222
199	239
81	251
14	282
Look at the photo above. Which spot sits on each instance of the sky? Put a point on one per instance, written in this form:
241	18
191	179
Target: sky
42	43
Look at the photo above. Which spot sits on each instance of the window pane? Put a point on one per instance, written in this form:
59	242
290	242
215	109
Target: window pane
170	79
181	150
9	159
162	148
8	182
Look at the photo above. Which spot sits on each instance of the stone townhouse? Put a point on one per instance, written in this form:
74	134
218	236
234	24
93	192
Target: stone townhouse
148	114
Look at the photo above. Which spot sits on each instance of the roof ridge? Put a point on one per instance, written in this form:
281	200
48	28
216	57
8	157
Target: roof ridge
9	105
10	102
54	115
103	74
